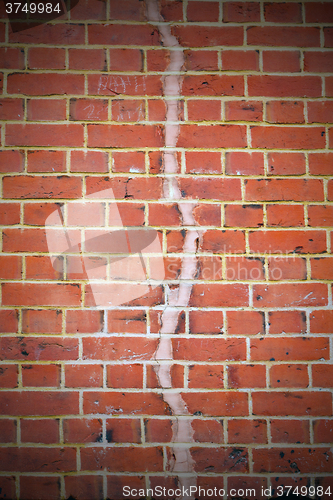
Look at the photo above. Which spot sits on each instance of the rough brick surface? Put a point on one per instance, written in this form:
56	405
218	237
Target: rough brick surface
166	249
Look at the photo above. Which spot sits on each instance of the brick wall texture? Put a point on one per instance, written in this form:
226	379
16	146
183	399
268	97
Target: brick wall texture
199	134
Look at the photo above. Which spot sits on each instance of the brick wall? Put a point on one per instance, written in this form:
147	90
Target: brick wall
204	128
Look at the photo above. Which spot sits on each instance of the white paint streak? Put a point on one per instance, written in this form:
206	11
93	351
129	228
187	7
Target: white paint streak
178	297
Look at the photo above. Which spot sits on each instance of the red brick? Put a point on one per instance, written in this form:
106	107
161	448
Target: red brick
116	348
210	322
244	268
223	241
206	110
320	215
212	136
203	11
207	431
128	161
8	486
286	163
12	58
164	214
123	403
88	109
320	112
284	86
171	11
321	321
11	109
119	34
284	404
41	321
283	61
42	187
287	322
208	36
284	190
43	349
7	433
240	60
84	321
318	12
206	214
289	349
210	377
209	350
328	35
116	483
283	36
9	321
10	267
158	60
201	60
279	460
89	161
39	267
243	163
11	161
287	241
243	110
159	431
32	459
39	403
39	487
9	214
330	190
44	135
8	376
322	375
329	86
283	12
245	322
222	459
322	268
285	215
87	59
210	268
247	431
135	85
281	137
46	58
40	431
289	376
291	295
215	404
125	110
119	136
84	375
82	430
286	268
125	376
290	431
156	322
45	83
35	214
246	376
120	459
40	294
243	215
157	110
285	112
123	430
89	9
46	161
207	162
53	34
132	214
213	85
318	62
323	431
46	109
241	12
126	59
